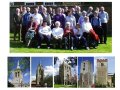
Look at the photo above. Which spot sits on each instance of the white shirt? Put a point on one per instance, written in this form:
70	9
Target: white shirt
86	27
37	18
45	30
72	21
57	32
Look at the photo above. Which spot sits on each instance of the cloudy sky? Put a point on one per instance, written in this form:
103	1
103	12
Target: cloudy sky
46	62
59	61
26	75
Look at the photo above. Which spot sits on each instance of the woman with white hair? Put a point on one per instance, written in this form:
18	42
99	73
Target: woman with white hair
88	31
68	36
57	34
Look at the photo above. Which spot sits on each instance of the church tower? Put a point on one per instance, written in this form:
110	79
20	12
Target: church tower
65	73
102	71
18	77
86	74
40	75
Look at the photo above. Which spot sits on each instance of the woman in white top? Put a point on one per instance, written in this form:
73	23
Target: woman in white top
44	34
88	31
57	34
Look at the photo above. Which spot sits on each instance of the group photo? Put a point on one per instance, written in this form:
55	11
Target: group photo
60	27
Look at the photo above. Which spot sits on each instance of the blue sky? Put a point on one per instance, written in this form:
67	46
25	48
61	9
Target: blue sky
80	59
46	62
26	75
111	63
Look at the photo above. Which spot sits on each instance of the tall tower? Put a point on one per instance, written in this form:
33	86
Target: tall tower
102	71
18	77
86	74
39	75
65	73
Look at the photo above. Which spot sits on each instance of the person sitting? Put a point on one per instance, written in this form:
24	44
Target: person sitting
68	36
31	31
57	34
89	33
78	35
44	34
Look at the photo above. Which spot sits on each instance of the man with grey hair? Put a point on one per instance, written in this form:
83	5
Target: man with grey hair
46	16
17	19
104	20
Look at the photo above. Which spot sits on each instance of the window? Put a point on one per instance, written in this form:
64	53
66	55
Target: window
29	3
102	64
83	69
84	65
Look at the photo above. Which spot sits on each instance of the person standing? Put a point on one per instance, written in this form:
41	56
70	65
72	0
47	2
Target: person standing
59	17
96	24
17	19
25	20
46	16
70	18
104	20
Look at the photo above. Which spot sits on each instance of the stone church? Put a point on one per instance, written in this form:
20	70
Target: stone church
65	73
39	75
102	71
86	74
18	77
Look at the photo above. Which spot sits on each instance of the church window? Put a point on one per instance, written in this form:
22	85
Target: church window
102	64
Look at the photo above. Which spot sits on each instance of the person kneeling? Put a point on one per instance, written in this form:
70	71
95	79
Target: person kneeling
57	34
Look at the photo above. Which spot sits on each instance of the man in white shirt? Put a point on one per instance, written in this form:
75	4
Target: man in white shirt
57	34
44	34
37	17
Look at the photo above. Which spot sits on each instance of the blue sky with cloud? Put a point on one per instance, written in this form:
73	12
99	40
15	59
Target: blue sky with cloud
46	62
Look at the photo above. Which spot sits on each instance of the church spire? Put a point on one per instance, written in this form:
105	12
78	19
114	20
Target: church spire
18	66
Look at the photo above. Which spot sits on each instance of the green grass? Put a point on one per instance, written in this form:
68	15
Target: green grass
18	47
63	86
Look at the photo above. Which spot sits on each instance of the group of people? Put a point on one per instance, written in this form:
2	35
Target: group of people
68	27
